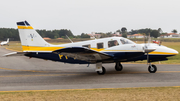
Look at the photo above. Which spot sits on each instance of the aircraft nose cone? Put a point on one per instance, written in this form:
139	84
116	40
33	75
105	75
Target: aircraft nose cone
175	52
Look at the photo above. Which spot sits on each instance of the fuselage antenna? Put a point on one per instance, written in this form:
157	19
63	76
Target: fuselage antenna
69	39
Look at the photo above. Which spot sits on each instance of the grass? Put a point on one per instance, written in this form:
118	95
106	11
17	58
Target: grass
16	45
123	94
176	46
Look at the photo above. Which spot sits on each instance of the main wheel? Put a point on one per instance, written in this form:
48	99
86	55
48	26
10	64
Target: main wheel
152	69
102	72
118	66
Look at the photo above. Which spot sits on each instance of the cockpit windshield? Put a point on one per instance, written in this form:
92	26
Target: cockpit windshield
126	41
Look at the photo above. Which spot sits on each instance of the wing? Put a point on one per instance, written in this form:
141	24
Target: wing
83	53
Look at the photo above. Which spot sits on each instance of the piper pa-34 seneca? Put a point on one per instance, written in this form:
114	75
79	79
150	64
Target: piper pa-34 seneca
98	51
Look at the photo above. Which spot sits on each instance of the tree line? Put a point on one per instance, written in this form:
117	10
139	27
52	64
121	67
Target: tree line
13	34
53	34
146	31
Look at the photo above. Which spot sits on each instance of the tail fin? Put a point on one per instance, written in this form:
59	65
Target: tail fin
8	40
29	36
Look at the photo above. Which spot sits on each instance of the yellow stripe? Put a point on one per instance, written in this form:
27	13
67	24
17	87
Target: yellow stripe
97	49
162	53
34	48
25	27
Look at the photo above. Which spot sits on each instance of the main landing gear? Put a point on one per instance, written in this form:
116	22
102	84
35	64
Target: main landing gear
101	70
118	66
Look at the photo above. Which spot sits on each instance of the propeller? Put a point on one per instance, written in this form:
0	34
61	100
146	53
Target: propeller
147	47
160	42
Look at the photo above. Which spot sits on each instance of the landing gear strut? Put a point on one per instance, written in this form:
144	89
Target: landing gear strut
151	68
118	66
100	69
102	72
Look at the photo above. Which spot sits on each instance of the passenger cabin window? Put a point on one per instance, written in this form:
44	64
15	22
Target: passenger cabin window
99	45
112	43
88	46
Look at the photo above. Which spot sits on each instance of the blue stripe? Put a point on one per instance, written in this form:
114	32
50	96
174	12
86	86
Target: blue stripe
152	58
27	23
55	57
21	23
123	57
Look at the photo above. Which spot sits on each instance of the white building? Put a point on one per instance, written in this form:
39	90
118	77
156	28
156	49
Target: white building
94	35
170	35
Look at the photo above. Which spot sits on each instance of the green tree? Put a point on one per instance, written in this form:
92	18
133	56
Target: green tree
84	35
174	31
155	33
160	30
124	35
124	32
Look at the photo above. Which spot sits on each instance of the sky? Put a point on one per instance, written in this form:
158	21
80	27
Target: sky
86	16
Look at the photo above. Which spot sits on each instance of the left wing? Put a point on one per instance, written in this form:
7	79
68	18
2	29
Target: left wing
83	53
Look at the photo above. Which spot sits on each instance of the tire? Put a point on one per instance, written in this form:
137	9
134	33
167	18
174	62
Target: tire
118	66
103	71
152	68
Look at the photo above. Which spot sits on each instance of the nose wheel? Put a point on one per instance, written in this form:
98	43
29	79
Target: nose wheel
152	68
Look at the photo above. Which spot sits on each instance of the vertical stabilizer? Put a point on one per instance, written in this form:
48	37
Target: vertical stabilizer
29	36
7	40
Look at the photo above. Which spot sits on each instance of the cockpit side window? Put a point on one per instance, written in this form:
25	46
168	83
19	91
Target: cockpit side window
126	41
112	43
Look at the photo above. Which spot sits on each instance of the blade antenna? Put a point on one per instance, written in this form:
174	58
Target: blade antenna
93	37
149	39
69	39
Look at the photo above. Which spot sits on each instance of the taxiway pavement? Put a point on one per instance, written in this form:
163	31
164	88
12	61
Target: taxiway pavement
22	73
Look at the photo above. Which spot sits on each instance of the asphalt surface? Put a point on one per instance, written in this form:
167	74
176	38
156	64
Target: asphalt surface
22	73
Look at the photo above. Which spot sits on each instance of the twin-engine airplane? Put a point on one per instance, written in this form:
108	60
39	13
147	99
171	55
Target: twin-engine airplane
5	42
98	51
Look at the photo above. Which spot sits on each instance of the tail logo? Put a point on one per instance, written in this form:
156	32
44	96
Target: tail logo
32	36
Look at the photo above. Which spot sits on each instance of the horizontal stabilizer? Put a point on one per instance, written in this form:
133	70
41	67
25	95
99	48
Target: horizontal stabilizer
15	54
83	53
